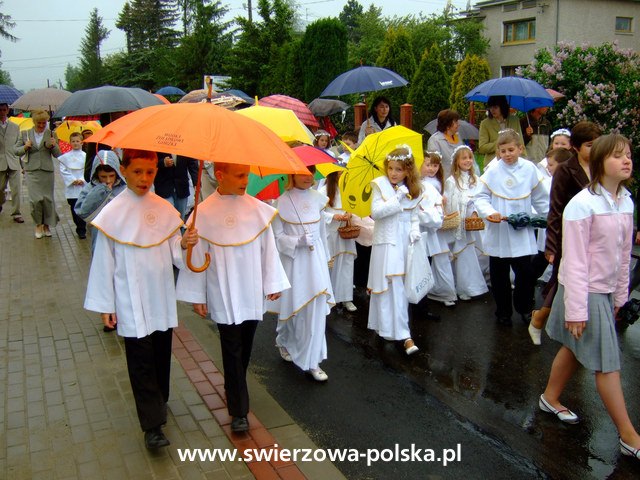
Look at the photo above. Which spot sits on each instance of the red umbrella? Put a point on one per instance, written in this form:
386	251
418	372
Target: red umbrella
299	108
555	94
312	155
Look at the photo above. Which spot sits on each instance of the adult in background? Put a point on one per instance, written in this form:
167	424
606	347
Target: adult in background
9	163
39	146
379	118
446	138
498	119
535	133
172	180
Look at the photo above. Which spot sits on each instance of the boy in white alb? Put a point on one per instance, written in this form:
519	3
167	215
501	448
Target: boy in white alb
131	285
245	269
513	185
72	173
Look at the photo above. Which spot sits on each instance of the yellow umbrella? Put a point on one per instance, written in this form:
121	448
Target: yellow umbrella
25	123
367	163
281	121
327	169
68	127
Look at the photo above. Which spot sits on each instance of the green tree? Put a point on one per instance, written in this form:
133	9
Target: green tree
370	32
149	24
350	17
90	71
472	71
430	87
72	78
396	55
5	78
322	36
204	50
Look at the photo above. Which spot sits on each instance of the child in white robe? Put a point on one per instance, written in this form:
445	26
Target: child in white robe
235	230
394	200
72	173
514	185
431	216
342	251
131	284
459	190
300	233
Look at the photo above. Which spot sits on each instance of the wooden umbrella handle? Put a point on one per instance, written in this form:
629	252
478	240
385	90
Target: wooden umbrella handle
207	257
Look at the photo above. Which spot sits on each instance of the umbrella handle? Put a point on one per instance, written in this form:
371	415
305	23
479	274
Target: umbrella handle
207	257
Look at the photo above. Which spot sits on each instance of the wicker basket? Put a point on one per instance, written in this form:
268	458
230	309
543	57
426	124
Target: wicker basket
473	224
451	221
349	231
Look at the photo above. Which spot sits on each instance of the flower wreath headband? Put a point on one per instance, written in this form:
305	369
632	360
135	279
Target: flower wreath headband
460	147
321	133
561	131
403	157
435	152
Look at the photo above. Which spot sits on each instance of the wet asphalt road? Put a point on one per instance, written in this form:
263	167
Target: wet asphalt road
473	383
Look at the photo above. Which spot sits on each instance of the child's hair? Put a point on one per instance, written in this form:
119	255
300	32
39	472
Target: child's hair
560	155
404	155
584	132
290	183
436	159
332	186
75	135
350	136
456	173
104	168
320	133
602	148
508	135
130	153
500	101
561	132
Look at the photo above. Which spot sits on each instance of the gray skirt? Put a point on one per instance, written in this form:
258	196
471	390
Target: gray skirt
597	349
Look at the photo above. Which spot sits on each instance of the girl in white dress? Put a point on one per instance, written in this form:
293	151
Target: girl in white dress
395	197
459	190
301	236
431	215
342	251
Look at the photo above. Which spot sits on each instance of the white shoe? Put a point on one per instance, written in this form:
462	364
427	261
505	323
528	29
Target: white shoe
629	451
47	232
39	233
535	334
565	415
462	296
410	347
284	353
319	375
349	306
449	303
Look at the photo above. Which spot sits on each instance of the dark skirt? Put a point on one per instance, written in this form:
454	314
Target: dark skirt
40	187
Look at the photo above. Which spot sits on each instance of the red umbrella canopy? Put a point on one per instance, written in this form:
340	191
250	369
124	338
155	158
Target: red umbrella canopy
312	155
298	106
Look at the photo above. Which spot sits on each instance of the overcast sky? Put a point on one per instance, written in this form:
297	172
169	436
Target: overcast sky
50	31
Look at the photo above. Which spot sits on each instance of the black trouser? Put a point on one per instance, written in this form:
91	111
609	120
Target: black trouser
524	285
236	342
81	226
149	365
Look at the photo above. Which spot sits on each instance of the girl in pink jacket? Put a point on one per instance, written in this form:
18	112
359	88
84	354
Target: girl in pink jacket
593	279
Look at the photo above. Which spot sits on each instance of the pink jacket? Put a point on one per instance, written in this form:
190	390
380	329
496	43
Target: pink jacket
597	233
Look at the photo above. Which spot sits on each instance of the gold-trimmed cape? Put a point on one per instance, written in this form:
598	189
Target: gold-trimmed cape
139	220
233	220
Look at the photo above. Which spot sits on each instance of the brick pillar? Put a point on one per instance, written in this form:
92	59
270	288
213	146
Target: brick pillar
406	115
360	114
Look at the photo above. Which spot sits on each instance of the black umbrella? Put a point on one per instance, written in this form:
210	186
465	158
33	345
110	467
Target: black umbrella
323	107
107	99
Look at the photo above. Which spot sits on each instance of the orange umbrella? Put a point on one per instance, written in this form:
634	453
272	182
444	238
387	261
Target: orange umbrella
161	97
204	132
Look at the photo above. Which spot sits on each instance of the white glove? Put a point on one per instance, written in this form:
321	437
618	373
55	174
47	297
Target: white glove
414	236
306	240
402	192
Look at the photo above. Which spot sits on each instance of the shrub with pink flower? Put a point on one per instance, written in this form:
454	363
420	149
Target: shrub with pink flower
600	83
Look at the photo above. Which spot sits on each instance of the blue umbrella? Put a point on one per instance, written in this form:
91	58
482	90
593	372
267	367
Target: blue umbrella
522	94
363	79
9	94
169	90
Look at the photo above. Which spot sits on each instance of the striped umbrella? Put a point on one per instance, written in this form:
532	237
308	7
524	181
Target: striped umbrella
297	106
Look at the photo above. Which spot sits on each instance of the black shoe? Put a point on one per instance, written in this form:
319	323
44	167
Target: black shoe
154	438
107	329
432	316
82	235
239	424
506	321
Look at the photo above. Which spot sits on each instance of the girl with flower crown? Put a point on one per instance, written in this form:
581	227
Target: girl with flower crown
395	197
459	190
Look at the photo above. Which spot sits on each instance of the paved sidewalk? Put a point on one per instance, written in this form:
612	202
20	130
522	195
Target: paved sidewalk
66	409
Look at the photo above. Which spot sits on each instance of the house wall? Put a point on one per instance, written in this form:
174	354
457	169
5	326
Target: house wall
578	21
